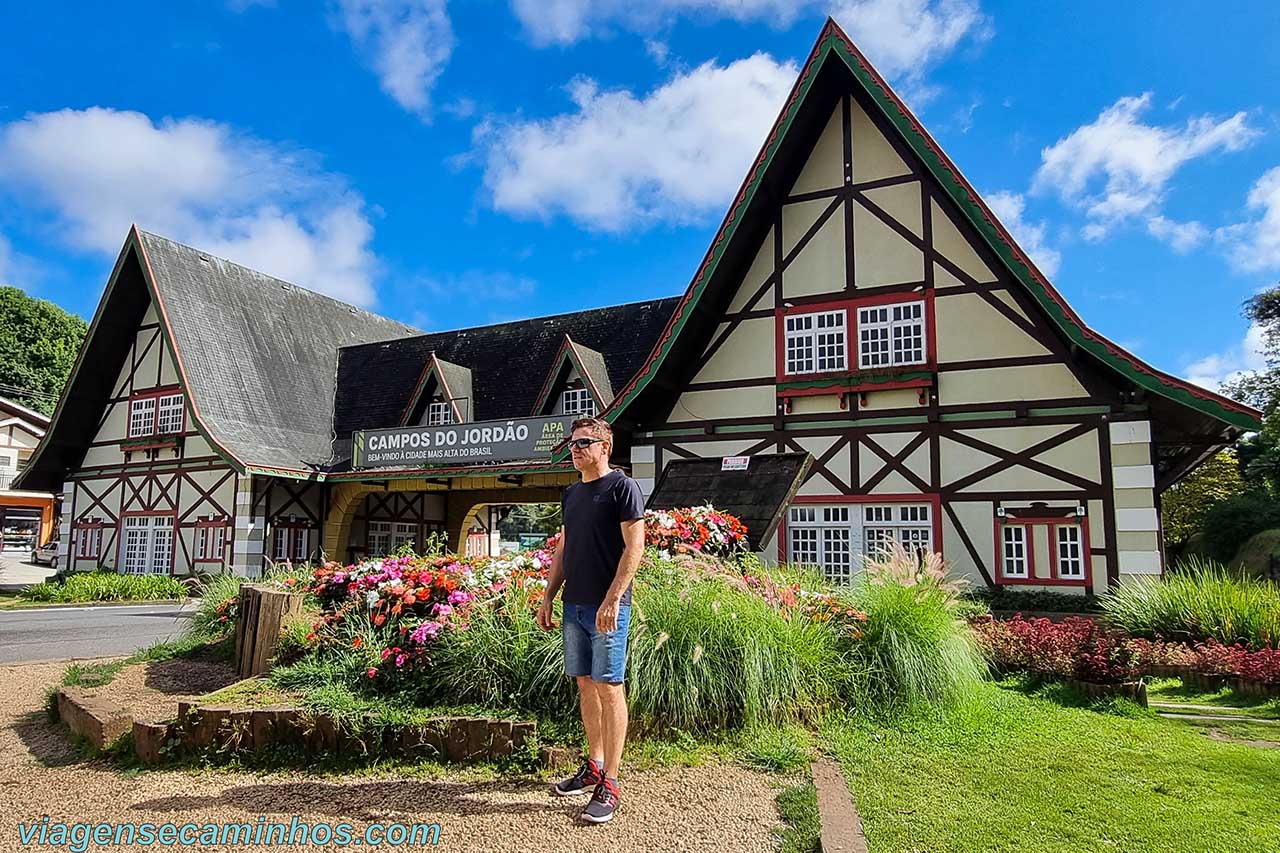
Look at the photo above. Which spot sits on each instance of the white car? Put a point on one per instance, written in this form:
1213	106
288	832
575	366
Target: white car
46	555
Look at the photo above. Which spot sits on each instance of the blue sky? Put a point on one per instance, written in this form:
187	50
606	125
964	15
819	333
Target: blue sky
451	164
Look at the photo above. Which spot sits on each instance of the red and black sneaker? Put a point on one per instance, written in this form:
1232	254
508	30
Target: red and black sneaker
604	802
585	779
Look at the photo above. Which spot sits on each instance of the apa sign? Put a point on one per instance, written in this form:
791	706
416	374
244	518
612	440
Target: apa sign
485	441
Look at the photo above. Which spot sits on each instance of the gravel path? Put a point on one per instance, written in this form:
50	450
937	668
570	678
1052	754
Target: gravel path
708	808
153	689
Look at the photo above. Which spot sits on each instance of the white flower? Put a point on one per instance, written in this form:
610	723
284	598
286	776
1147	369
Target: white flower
371	598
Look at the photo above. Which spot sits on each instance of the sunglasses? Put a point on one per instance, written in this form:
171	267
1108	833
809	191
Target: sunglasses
582	443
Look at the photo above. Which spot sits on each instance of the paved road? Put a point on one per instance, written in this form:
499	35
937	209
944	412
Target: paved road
63	633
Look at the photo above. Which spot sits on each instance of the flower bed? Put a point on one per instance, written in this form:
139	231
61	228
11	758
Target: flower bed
1084	649
717	641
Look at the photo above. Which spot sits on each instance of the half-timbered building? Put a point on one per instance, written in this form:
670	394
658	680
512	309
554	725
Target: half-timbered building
860	306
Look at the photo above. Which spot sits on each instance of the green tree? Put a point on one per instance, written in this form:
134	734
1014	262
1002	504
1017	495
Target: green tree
1183	507
38	345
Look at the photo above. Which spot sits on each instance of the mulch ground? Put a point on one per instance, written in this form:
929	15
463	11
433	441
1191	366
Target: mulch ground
705	808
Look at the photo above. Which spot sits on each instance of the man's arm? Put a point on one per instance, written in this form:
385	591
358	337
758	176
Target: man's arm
555	579
633	550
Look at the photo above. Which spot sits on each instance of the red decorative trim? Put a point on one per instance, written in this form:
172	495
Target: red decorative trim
432	366
1049	524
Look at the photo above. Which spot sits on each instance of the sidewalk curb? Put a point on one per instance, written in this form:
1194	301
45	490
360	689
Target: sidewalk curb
841	824
66	605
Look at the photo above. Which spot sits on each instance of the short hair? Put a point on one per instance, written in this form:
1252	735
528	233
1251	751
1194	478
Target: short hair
596	426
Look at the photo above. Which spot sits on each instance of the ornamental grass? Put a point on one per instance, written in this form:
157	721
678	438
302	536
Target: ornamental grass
1197	601
717	641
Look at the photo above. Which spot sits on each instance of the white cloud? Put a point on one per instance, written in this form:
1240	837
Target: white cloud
1246	357
1182	236
1117	168
481	286
1010	207
1255	246
903	38
567	21
676	154
267	206
408	43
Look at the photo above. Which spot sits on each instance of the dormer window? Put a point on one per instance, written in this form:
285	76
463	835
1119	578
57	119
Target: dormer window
816	342
578	401
439	412
891	335
156	413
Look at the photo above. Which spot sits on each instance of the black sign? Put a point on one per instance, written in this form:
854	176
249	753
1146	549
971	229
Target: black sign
454	444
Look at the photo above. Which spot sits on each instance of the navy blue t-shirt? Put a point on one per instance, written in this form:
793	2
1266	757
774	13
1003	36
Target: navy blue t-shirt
593	513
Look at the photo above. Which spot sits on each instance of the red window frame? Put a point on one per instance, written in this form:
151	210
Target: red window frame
851	307
289	530
206	532
1050	525
155	393
933	500
94	529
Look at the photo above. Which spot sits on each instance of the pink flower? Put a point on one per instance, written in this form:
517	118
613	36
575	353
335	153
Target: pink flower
459	596
386	653
372	672
425	631
400	659
442	610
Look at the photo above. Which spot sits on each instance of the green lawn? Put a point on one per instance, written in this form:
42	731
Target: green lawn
1012	771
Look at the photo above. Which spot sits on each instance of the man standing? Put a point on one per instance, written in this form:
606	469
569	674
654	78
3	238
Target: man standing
601	543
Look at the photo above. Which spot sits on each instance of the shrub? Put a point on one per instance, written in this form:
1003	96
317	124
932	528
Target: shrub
912	646
1197	601
108	586
1230	522
1076	647
1023	601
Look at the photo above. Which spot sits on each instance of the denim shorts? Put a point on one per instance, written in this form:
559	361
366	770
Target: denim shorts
603	656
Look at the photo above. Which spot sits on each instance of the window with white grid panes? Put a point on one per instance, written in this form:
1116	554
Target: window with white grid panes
890	335
824	537
378	541
291	540
1070	552
147	545
910	524
578	401
169	414
142	417
403	533
1014	561
439	413
815	343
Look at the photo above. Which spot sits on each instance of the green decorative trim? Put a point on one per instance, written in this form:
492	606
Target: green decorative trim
977	416
1068	410
151	441
657	433
845	380
834	42
732	428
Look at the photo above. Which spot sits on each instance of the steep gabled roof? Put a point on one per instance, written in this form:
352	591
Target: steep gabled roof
9	408
762	187
508	363
590	365
256	356
453	382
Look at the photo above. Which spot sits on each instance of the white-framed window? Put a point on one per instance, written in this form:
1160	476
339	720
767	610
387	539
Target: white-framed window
1014	559
402	533
146	548
378	540
439	412
1070	552
578	401
142	417
909	524
815	343
86	542
833	537
891	335
211	541
169	414
291	541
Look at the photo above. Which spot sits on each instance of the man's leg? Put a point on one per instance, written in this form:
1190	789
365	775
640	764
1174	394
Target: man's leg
592	721
612	700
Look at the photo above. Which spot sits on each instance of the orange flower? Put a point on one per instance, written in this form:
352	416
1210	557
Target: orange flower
357	642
